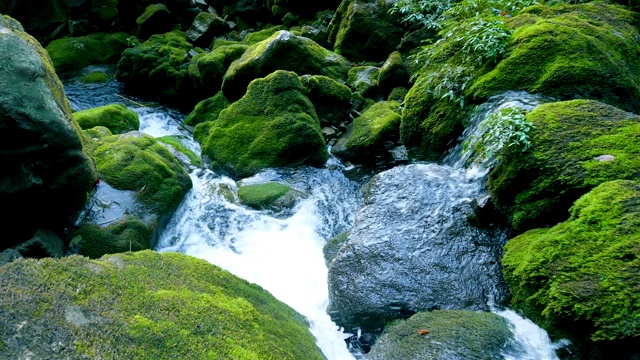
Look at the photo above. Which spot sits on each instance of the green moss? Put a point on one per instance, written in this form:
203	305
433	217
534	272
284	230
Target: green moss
582	274
331	248
175	143
107	10
136	162
73	53
570	51
535	189
207	110
273	125
258	36
158	68
282	51
330	98
117	118
393	73
380	123
146	305
149	12
397	94
98	132
129	234
364	79
95	77
224	42
207	70
451	334
262	196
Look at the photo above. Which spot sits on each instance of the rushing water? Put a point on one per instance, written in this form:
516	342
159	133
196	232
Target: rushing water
282	252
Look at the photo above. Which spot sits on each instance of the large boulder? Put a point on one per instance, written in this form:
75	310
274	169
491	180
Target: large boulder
207	110
365	30
582	51
140	306
282	51
331	99
411	248
273	125
205	27
156	19
444	335
580	278
393	73
207	69
47	169
115	117
74	53
158	68
575	146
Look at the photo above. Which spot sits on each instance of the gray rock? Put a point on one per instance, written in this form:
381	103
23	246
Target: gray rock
8	256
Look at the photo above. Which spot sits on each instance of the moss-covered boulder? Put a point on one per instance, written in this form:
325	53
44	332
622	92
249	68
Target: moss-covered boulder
272	195
47	169
205	27
429	125
74	53
580	278
273	125
95	77
331	99
282	51
585	51
393	73
365	30
115	117
156	19
127	234
262	35
158	68
207	110
575	146
136	162
444	335
364	80
377	126
144	305
208	69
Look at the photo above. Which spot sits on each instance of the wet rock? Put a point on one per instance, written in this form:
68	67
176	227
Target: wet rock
205	27
411	248
272	195
115	117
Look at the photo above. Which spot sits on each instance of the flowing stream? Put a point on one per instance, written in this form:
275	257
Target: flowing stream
282	252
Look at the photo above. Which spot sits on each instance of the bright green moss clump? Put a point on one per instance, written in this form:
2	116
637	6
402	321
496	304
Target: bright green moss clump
117	118
452	334
378	124
207	70
135	161
271	195
582	275
95	77
575	146
129	234
207	110
175	143
570	51
273	125
144	305
256	37
73	53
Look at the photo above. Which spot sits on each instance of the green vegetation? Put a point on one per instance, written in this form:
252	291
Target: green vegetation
136	162
450	334
175	143
378	124
262	196
129	234
207	110
364	80
581	276
207	70
258	36
273	125
330	98
144	305
74	53
117	118
535	188
95	77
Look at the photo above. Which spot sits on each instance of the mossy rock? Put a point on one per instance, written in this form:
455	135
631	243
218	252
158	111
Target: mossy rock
364	80
128	234
580	278
179	151
280	8
205	27
144	305
398	94
156	19
271	195
429	125
378	125
575	146
282	51
117	118
273	125
331	99
96	77
74	53
106	10
135	161
393	73
97	133
158	68
258	36
583	51
450	334
207	110
207	69
331	248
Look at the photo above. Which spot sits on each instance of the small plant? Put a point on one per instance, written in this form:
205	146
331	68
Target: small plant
501	132
426	13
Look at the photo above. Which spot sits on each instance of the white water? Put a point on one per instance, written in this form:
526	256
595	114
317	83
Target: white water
530	341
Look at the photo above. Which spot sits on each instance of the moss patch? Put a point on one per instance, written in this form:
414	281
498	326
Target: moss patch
582	274
262	196
207	70
258	36
145	305
570	51
274	125
536	188
175	143
73	53
207	110
117	118
378	124
129	234
330	98
136	162
451	334
96	77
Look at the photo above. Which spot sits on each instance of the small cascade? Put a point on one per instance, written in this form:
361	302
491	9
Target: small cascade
530	342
